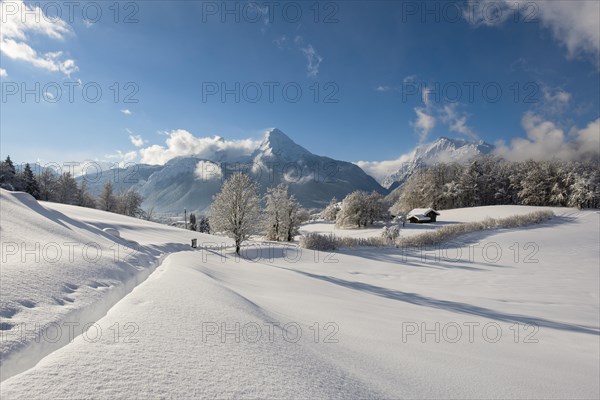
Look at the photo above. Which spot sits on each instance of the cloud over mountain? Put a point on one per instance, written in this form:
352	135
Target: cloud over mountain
182	143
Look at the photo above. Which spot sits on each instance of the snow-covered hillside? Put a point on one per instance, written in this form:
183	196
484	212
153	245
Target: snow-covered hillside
66	264
392	174
498	314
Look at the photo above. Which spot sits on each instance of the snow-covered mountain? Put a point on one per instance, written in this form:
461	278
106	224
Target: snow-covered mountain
443	150
190	182
313	179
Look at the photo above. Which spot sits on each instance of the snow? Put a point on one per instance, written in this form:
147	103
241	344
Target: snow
164	338
421	212
63	264
447	217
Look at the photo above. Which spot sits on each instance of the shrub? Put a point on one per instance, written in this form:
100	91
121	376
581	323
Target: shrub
315	241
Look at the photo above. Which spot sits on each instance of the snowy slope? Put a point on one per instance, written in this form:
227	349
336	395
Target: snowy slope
167	345
63	263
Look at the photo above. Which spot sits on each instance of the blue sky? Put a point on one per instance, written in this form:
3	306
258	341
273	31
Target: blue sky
387	77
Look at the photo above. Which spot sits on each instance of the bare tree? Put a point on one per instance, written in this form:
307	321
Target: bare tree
235	209
129	203
66	189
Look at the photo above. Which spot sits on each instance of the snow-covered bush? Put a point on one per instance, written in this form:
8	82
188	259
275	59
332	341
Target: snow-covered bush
315	241
303	215
390	233
516	221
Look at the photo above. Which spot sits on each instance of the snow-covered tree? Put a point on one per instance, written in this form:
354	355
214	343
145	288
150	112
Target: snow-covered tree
330	212
361	209
282	218
582	193
469	181
354	210
235	209
489	180
377	208
276	201
291	219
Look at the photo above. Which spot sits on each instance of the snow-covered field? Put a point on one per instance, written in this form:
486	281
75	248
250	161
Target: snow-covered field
500	314
447	217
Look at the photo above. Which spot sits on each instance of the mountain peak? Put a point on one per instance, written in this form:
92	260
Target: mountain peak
275	138
277	143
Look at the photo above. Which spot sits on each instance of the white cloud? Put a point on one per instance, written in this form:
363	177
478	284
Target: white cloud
314	60
136	140
381	169
281	41
457	122
3	73
545	140
19	20
124	158
425	93
424	123
126	111
383	88
554	101
182	143
574	24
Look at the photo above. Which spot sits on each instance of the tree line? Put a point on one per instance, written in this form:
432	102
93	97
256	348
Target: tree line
63	188
486	180
489	180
